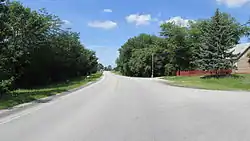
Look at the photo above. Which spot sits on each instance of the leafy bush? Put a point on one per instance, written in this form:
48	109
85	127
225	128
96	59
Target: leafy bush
169	70
5	86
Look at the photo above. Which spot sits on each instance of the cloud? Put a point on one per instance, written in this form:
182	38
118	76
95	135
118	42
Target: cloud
108	10
233	3
66	22
103	24
139	19
178	21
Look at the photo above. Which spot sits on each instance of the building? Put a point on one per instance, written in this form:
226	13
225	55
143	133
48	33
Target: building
243	61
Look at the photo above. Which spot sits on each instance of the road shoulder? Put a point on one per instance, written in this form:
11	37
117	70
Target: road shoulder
21	107
174	84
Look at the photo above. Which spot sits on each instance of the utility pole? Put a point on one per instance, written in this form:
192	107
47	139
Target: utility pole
152	66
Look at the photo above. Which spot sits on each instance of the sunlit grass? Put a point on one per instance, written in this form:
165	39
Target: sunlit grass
27	95
228	83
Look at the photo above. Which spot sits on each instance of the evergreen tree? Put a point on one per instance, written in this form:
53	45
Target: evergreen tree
219	36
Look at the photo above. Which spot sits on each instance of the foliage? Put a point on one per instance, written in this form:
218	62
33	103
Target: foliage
169	70
205	44
36	50
140	62
177	38
219	36
194	41
100	67
5	86
108	68
136	56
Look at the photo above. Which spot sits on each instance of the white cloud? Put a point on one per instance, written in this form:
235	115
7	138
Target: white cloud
178	21
66	22
108	10
139	19
233	3
103	24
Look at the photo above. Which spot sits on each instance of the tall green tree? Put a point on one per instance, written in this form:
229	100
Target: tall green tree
6	79
219	36
204	44
194	41
100	67
135	57
178	47
36	50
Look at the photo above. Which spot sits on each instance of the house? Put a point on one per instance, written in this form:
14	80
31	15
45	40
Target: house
242	63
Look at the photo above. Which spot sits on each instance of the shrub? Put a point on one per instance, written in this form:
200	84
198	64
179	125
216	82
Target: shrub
169	70
5	86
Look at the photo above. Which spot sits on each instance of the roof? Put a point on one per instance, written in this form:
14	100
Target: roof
241	48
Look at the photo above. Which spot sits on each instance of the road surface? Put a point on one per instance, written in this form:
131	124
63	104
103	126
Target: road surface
120	108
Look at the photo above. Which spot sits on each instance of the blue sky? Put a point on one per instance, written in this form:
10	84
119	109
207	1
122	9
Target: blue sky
106	24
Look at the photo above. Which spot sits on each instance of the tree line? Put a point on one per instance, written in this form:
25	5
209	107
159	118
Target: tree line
36	50
205	44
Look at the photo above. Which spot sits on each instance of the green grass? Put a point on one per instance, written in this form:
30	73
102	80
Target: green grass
27	95
117	72
229	83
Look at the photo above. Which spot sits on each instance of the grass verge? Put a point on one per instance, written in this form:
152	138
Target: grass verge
27	95
117	72
229	83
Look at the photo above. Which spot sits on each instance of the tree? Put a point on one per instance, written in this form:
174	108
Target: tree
6	79
194	40
219	36
100	67
178	47
109	68
36	50
205	44
140	62
135	57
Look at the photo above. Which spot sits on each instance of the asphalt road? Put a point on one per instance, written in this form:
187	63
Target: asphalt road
120	108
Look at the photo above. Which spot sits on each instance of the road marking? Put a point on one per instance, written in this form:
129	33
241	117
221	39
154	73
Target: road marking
16	116
31	110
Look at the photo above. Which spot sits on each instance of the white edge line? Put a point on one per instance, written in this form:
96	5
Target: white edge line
29	111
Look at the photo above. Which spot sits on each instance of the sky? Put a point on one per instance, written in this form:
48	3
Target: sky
105	25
